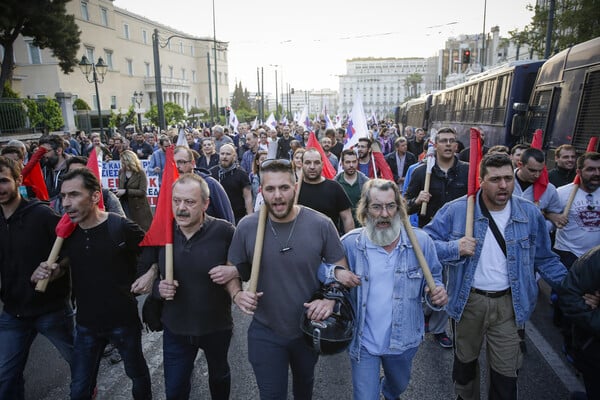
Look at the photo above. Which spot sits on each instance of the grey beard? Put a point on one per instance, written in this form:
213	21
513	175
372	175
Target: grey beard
383	237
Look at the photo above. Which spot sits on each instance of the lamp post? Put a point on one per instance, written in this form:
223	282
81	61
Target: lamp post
98	71
139	99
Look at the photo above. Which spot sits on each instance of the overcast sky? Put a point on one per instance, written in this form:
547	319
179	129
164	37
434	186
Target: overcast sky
311	40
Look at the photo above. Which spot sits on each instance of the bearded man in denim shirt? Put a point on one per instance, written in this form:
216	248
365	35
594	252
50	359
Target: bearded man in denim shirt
388	303
491	277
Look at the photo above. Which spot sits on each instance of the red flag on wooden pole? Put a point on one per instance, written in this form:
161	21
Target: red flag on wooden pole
92	165
33	176
592	145
541	183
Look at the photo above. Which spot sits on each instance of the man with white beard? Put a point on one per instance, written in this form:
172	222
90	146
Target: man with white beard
389	325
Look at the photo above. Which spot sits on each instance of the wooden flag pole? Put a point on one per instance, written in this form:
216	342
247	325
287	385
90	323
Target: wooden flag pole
419	253
426	189
258	247
42	284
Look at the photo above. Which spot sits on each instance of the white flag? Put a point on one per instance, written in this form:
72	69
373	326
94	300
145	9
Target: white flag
181	140
357	123
233	121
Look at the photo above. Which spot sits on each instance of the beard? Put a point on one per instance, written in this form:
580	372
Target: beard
383	236
52	161
281	214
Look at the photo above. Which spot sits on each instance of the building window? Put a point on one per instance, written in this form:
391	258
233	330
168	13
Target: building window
108	58
104	16
146	69
129	67
170	72
145	36
192	50
113	102
35	55
183	73
89	52
84	11
193	76
126	31
181	47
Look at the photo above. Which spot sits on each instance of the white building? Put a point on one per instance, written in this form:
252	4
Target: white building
124	41
384	83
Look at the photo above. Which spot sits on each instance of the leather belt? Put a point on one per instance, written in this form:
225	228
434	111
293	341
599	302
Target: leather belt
491	293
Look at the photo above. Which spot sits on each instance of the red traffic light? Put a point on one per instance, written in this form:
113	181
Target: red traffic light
466	57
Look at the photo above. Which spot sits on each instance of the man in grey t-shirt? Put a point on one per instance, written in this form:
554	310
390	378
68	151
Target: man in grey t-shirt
297	239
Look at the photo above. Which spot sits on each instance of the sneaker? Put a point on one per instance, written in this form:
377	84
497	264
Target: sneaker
443	340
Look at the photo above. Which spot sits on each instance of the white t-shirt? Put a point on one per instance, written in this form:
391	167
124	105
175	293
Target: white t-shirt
582	232
491	272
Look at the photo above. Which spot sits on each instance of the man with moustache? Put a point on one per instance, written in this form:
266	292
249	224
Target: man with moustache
54	163
351	180
102	252
140	147
491	277
27	231
235	181
297	239
400	160
248	155
198	313
582	231
391	289
324	195
326	145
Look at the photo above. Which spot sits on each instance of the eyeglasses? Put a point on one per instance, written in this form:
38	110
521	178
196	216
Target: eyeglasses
378	208
590	202
276	164
182	162
446	141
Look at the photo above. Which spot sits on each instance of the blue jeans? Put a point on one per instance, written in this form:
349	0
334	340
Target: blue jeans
16	337
89	345
270	356
179	353
396	368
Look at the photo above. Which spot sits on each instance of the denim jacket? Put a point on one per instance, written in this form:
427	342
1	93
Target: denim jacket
407	313
528	251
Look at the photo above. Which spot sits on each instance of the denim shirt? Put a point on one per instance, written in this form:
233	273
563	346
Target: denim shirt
409	285
528	251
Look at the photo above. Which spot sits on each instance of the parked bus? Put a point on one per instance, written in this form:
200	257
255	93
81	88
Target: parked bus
485	101
414	112
565	101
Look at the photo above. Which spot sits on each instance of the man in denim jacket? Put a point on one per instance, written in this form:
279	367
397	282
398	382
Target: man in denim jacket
388	302
492	285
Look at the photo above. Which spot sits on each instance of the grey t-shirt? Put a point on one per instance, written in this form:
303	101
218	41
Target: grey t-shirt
287	278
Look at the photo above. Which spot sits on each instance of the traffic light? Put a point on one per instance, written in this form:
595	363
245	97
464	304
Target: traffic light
466	56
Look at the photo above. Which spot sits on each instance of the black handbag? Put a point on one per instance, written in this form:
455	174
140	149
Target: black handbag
152	312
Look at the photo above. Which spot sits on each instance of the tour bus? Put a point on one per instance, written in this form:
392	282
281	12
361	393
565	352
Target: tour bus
485	101
565	101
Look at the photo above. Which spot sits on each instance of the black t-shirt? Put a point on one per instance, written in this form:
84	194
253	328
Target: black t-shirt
234	182
327	197
103	267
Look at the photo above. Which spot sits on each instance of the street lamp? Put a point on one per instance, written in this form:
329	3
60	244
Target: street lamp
98	71
139	99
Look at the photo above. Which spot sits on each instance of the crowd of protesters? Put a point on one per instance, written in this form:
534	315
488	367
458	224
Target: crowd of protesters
485	282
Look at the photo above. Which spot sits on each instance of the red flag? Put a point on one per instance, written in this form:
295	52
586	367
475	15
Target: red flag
35	179
328	170
541	183
592	145
92	165
65	227
33	176
382	166
161	230
474	161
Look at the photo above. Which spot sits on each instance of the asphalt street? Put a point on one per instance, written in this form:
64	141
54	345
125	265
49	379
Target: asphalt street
545	374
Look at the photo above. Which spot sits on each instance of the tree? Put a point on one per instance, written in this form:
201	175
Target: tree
174	113
46	22
120	121
80	104
575	21
239	99
412	81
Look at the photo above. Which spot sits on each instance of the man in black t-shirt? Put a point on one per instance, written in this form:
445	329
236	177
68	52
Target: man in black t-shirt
102	251
324	195
235	181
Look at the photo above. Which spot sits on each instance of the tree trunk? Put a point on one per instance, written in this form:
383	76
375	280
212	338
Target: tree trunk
8	65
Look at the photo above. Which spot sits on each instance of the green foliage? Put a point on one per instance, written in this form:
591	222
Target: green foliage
47	23
239	99
245	115
52	115
174	113
119	121
9	93
575	21
33	112
80	104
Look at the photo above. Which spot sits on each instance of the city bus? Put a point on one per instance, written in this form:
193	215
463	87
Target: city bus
485	101
565	101
414	112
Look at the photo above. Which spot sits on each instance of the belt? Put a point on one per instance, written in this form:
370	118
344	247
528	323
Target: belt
492	294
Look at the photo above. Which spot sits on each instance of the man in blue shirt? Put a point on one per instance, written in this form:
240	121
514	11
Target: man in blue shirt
389	322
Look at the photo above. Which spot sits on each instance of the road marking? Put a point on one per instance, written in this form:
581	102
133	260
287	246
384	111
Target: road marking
557	363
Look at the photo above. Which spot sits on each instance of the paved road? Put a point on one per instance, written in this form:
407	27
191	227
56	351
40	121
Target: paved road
545	375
